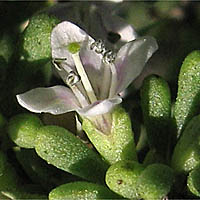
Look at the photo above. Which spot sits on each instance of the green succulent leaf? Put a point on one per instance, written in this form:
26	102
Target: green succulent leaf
39	171
23	129
156	107
193	181
36	38
186	153
9	183
119	143
153	157
62	149
6	47
122	178
188	97
82	190
155	181
8	177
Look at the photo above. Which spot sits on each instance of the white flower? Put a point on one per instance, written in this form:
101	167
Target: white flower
94	75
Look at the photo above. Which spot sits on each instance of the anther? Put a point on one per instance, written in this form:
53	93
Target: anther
98	46
57	61
109	57
72	78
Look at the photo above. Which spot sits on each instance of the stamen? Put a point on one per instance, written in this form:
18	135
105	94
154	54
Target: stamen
80	97
98	46
72	78
84	78
57	61
71	81
109	57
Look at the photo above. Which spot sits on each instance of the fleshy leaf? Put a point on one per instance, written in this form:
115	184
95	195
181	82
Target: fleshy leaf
55	100
131	60
187	150
82	190
122	178
156	108
38	170
35	44
64	150
23	129
116	145
193	181
155	181
188	97
10	186
9	178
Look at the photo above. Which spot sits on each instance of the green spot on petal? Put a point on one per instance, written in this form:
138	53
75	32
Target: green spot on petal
73	47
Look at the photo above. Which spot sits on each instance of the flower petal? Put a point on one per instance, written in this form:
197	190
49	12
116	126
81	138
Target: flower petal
64	34
99	107
55	100
98	19
112	29
131	60
90	58
115	24
93	66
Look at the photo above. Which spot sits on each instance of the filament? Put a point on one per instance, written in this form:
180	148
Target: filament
84	78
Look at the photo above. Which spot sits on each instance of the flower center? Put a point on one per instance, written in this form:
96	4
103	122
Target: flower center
72	79
74	48
85	92
79	82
